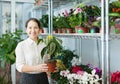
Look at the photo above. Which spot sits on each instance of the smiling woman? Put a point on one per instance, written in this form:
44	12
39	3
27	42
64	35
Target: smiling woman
28	60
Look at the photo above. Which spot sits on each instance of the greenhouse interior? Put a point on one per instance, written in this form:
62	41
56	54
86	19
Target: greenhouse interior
80	36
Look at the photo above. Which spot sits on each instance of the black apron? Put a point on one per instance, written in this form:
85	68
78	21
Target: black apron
40	78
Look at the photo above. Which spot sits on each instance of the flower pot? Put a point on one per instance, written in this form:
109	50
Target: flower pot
55	31
45	30
41	31
59	30
94	30
69	30
51	65
117	28
63	30
79	29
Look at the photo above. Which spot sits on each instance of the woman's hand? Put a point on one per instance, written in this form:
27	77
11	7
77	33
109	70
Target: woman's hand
41	68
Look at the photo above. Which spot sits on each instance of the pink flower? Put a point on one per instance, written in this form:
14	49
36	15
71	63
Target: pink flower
66	14
80	72
78	10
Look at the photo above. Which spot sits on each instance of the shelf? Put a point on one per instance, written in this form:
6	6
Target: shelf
114	37
56	4
82	36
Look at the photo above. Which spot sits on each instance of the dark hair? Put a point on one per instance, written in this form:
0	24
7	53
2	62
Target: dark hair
33	19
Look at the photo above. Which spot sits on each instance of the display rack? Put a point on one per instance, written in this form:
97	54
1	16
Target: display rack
101	36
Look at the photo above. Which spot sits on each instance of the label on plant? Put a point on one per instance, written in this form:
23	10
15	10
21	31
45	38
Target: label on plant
80	31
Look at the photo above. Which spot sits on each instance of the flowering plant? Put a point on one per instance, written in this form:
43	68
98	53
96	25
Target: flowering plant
78	74
76	17
115	77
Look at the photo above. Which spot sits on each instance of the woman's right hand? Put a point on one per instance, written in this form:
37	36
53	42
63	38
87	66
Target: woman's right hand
41	68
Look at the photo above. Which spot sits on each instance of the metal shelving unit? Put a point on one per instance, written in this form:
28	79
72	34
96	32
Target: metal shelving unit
96	36
104	37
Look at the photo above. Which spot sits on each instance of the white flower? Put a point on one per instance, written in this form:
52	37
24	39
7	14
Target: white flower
84	78
64	73
75	61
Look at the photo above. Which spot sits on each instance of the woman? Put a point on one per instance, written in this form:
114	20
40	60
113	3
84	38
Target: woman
28	58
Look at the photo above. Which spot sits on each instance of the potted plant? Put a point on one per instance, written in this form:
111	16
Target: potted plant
55	24
44	23
114	14
52	49
76	19
8	43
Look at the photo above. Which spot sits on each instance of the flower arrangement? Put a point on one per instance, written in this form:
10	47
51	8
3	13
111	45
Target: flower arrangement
115	77
77	73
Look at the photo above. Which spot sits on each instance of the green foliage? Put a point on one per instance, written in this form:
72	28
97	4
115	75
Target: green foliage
8	43
67	56
92	10
2	81
58	78
44	20
75	19
62	22
53	46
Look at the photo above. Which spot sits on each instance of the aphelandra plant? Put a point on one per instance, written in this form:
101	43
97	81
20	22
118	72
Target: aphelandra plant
53	46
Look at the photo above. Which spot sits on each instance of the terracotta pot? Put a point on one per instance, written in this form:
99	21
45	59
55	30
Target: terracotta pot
117	25
69	30
41	31
79	29
63	30
117	28
51	66
59	30
55	31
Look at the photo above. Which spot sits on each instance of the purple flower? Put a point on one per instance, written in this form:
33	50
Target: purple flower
98	70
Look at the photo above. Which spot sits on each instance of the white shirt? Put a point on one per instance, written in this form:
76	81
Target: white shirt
28	52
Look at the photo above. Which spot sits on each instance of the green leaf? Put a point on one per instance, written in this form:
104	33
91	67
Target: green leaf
114	14
3	63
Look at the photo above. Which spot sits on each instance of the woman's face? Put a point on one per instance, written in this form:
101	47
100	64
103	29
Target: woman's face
32	30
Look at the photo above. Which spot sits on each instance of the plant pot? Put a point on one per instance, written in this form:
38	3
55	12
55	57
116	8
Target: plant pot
45	30
51	65
79	29
117	28
94	30
41	31
59	30
55	31
69	30
63	30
